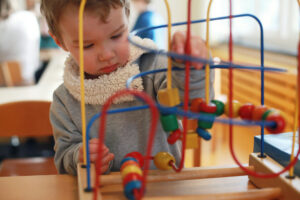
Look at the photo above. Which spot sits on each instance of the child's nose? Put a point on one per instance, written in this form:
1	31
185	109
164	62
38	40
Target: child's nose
105	55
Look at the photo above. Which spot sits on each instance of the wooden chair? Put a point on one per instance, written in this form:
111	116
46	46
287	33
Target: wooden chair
26	119
10	74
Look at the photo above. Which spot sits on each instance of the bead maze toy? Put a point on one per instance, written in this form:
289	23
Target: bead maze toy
269	179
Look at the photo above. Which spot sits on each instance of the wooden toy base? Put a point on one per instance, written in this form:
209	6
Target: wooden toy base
219	183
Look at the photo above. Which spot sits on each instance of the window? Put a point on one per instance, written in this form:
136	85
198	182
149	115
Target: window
280	19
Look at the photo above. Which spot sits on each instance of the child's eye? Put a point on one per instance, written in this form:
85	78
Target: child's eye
117	36
88	46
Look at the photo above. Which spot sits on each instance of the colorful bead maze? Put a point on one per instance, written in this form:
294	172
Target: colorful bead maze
136	181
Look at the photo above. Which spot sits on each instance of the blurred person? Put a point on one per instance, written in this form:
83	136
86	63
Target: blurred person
148	18
20	39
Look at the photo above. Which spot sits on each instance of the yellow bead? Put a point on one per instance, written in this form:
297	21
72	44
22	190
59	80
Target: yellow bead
131	169
192	141
162	160
235	108
169	97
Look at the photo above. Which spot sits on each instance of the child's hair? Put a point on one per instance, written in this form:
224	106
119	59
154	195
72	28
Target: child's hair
5	9
52	10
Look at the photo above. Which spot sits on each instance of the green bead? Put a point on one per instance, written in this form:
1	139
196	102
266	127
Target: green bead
206	124
266	114
169	122
220	107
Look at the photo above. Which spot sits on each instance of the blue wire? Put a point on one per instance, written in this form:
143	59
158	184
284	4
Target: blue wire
175	110
195	59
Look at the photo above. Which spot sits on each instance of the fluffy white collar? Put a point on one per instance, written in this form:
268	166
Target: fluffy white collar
98	90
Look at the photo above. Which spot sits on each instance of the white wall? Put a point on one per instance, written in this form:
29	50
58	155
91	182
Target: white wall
179	12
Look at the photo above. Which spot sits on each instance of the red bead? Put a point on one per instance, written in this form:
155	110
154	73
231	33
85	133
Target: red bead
129	162
138	156
195	104
208	108
246	110
131	177
279	123
174	136
258	112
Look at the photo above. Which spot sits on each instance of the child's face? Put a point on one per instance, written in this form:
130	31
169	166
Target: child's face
106	46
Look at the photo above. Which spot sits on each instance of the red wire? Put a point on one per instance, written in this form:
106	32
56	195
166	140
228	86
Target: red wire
187	85
152	131
250	172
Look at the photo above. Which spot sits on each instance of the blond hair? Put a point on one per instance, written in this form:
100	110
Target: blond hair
53	9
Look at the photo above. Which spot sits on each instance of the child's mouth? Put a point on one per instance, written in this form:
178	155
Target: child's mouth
109	69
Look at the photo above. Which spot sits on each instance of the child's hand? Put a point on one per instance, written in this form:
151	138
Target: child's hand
198	47
107	157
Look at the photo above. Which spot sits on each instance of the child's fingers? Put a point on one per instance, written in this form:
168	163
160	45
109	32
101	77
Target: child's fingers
104	168
93	156
177	44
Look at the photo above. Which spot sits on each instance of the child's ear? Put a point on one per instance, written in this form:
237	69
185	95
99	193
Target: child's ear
57	41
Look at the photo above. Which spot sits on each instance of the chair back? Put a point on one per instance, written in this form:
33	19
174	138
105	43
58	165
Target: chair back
10	74
25	119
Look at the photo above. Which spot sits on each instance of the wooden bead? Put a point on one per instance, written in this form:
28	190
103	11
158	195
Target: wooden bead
129	162
169	122
131	177
220	107
192	141
131	169
203	133
195	105
192	125
246	110
129	187
235	108
126	159
258	112
168	97
174	136
138	156
206	124
268	112
162	160
208	107
279	123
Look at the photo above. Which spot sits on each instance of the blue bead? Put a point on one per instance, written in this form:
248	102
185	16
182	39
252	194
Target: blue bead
203	133
128	158
130	186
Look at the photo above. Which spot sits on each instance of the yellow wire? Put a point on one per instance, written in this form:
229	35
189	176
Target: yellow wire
207	73
81	60
169	73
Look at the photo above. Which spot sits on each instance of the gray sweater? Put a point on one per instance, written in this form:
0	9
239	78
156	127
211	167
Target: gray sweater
125	132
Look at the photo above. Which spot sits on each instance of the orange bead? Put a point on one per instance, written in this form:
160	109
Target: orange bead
162	160
192	125
258	112
235	108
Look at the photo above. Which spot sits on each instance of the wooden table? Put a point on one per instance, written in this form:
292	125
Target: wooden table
64	187
46	187
50	80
